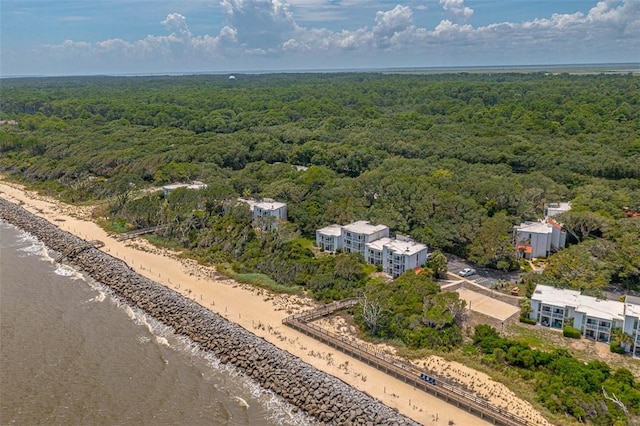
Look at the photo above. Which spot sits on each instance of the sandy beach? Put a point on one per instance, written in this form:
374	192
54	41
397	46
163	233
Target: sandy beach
262	313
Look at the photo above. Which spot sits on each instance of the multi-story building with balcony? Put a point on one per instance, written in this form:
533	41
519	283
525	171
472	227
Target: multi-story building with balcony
595	318
374	251
352	238
266	212
356	235
402	254
394	255
539	239
329	238
632	323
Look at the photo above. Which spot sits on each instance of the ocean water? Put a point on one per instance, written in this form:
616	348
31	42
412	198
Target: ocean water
72	354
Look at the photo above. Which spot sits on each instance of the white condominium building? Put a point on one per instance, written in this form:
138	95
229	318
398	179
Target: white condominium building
595	318
553	209
539	239
266	212
394	255
356	235
632	323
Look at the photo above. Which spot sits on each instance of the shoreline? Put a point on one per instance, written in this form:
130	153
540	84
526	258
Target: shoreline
322	396
254	309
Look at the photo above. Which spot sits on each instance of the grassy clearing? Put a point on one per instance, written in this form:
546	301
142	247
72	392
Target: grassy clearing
162	242
113	226
258	280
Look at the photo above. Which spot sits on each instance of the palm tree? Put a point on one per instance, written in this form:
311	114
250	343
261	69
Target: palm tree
621	338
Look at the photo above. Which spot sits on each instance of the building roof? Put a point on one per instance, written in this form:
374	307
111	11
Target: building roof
605	309
334	230
555	296
405	247
553	209
609	309
263	205
270	205
364	227
554	223
379	243
632	306
534	227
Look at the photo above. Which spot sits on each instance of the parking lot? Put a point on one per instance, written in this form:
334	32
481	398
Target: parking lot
483	276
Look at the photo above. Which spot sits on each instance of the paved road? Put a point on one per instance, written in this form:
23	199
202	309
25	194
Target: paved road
483	276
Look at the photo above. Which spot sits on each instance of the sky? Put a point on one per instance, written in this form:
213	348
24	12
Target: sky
87	37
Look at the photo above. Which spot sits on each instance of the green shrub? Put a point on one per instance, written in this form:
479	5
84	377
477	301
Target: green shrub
616	348
571	332
528	320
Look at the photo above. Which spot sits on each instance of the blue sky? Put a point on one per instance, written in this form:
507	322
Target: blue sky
79	37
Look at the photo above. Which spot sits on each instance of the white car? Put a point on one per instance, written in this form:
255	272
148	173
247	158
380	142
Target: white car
467	272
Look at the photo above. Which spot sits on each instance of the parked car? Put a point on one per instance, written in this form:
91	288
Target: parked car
467	272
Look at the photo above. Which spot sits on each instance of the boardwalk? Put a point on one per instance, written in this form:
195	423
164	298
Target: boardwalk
427	381
137	232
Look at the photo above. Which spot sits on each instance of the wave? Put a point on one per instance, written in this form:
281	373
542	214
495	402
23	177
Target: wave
29	244
277	410
241	401
32	246
162	341
68	271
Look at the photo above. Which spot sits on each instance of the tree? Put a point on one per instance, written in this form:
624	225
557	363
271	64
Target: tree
492	245
582	225
438	264
613	398
621	338
582	266
371	312
525	308
442	309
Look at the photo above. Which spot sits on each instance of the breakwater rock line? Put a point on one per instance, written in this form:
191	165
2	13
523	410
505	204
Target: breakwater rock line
324	397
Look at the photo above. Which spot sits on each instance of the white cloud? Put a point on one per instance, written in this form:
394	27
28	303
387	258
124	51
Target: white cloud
260	25
267	29
393	21
457	8
170	50
177	24
391	25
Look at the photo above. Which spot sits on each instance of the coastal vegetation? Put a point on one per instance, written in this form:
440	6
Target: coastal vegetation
588	391
453	161
413	310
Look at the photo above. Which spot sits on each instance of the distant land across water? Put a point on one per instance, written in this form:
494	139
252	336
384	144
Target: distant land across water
605	68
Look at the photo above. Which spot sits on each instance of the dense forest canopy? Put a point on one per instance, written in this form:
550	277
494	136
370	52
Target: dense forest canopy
454	160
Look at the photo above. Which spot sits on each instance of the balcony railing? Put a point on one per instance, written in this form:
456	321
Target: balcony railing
596	327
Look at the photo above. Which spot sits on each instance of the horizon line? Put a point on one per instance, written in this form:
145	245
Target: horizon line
534	67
